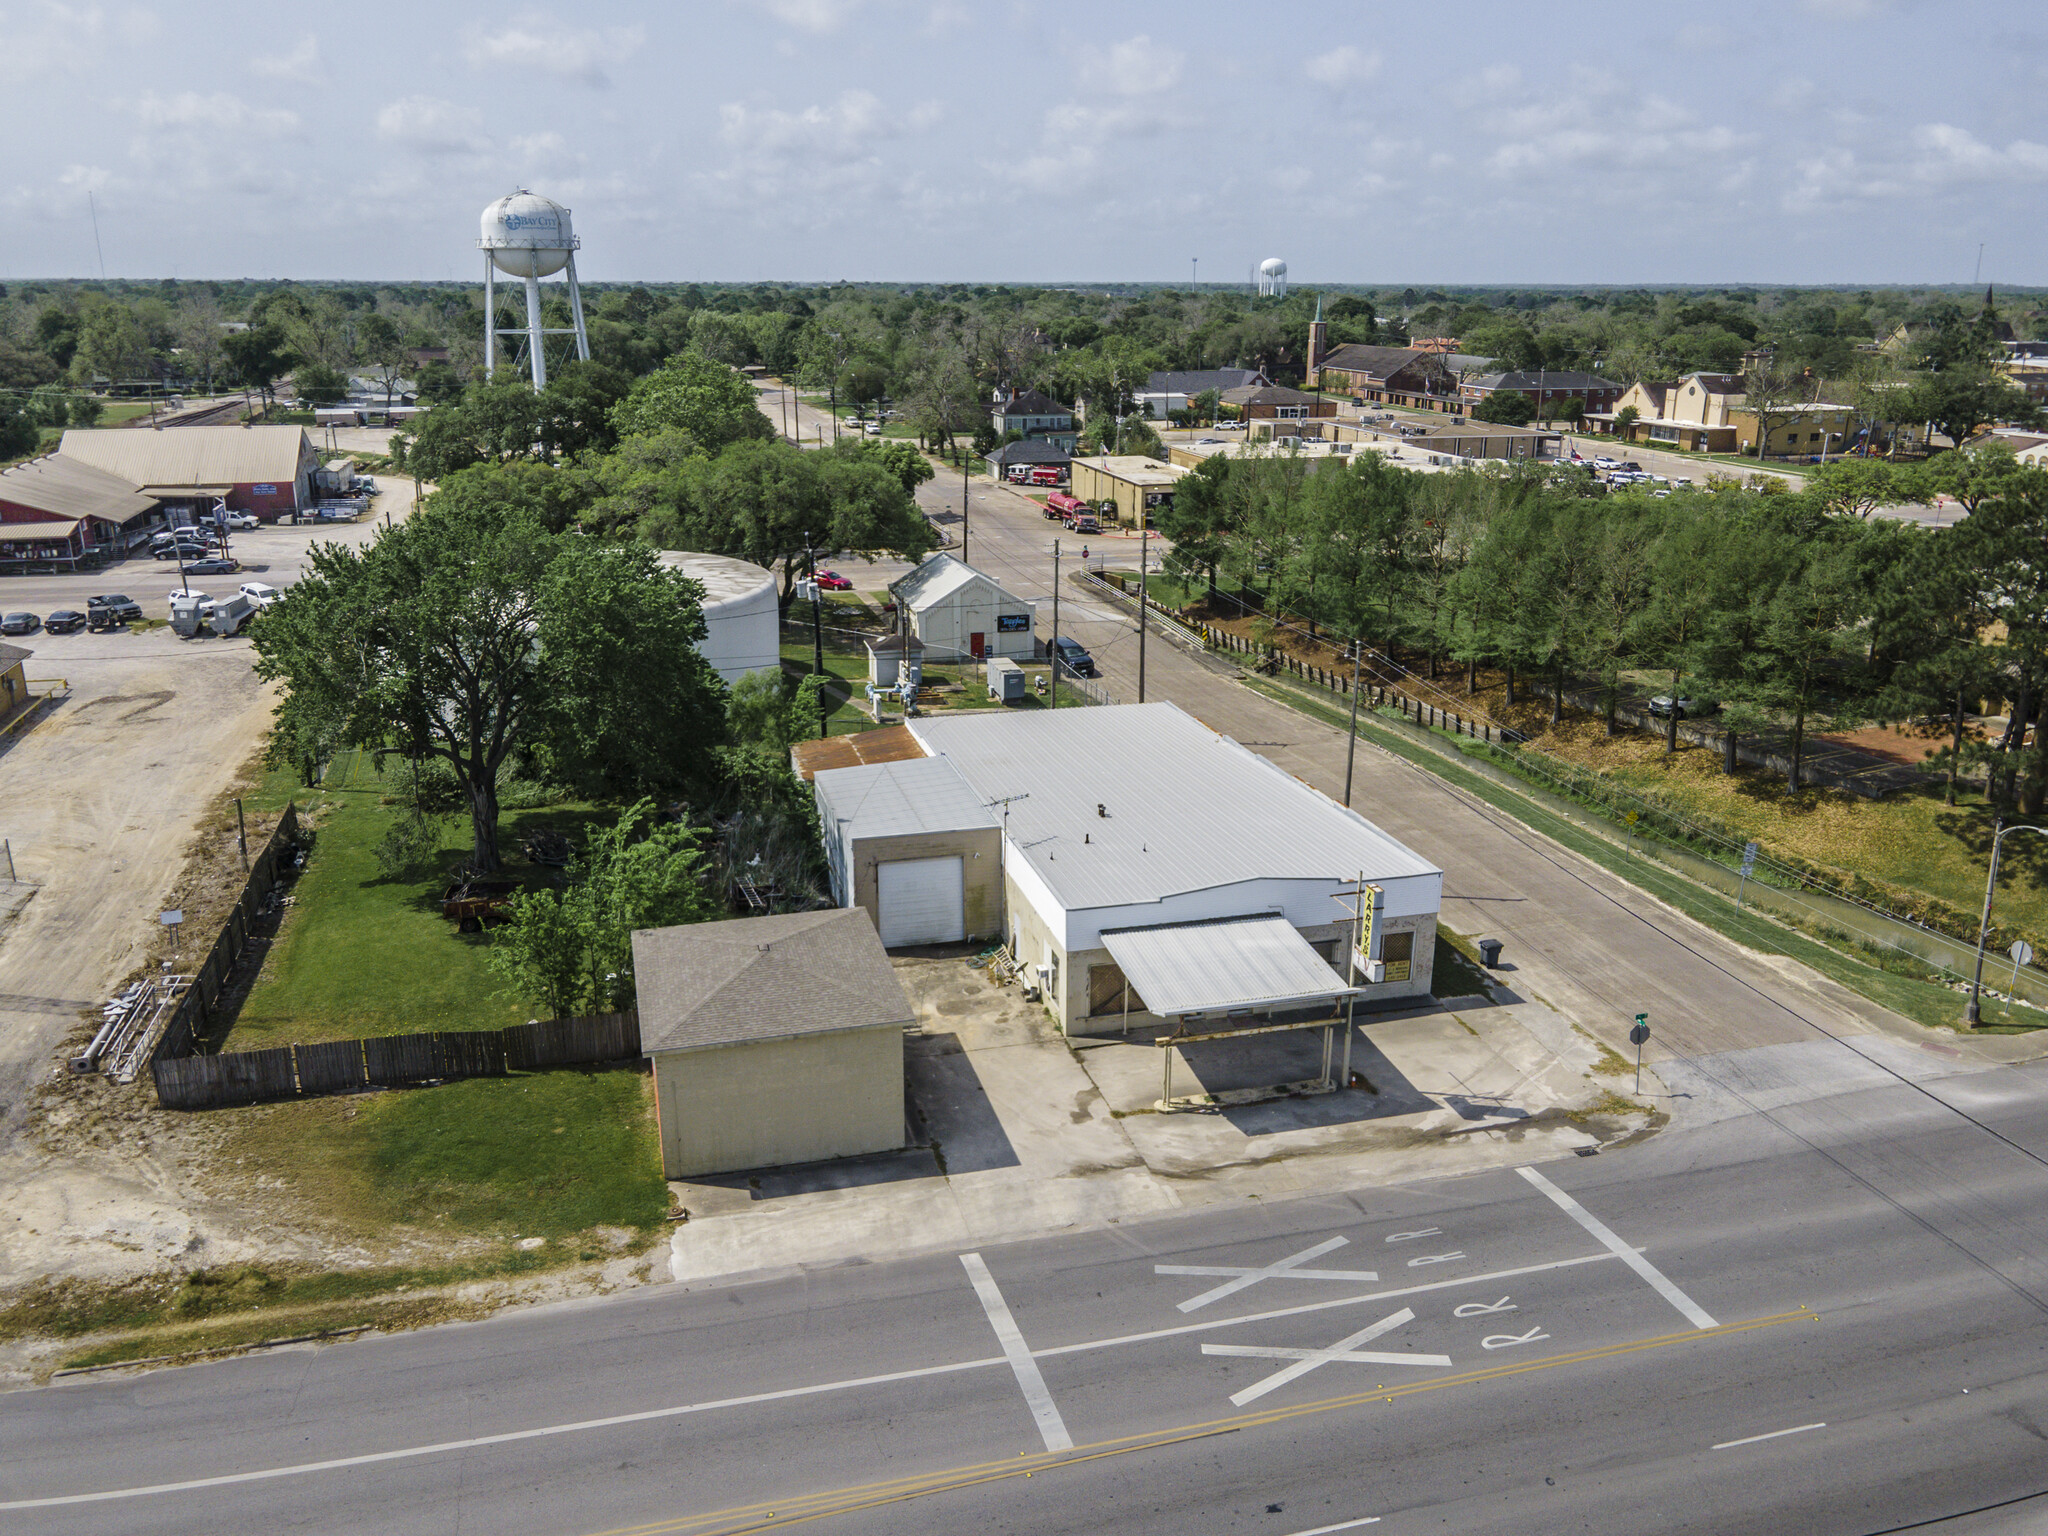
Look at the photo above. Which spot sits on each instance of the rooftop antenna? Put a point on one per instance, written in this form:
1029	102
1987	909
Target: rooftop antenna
91	203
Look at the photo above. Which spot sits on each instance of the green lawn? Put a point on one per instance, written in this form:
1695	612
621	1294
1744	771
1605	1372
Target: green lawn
363	954
546	1154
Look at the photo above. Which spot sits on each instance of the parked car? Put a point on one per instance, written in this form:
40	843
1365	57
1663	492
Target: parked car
1663	704
213	565
1074	657
110	608
64	621
242	522
1632	466
1601	461
178	592
832	581
19	624
262	594
183	549
874	429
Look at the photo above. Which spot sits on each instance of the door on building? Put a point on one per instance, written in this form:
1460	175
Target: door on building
921	901
977	644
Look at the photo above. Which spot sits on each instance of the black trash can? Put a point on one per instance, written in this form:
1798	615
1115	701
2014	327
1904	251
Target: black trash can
1489	953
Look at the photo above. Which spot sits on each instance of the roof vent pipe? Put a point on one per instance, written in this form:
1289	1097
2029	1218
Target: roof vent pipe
1100	810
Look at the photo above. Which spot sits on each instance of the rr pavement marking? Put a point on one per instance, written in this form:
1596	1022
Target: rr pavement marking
1029	1378
1306	1360
1729	1445
679	1410
1279	1269
1691	1310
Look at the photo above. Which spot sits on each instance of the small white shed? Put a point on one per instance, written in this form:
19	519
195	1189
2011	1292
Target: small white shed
962	614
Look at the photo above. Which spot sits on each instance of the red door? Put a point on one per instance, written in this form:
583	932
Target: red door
977	643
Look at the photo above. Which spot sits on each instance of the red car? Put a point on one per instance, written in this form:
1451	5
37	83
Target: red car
832	581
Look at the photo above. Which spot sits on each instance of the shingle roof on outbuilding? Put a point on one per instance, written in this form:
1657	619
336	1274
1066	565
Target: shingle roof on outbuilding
1030	451
764	978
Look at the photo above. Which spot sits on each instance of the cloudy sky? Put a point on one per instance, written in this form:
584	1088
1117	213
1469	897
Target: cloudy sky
1804	141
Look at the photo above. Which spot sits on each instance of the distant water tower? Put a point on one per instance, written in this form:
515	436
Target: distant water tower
528	237
1273	278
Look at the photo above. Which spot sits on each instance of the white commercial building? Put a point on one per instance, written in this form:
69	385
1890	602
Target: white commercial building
742	616
961	614
1155	872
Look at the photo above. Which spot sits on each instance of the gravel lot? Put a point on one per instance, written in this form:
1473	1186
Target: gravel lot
103	794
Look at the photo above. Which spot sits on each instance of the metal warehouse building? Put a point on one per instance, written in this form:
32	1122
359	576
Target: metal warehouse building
1151	868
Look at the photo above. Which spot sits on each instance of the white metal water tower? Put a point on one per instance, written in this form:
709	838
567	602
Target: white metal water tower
1273	278
528	237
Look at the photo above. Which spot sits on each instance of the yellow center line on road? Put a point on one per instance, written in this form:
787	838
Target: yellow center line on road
801	1509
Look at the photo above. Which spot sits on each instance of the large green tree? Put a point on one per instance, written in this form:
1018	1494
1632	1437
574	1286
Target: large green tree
708	400
469	633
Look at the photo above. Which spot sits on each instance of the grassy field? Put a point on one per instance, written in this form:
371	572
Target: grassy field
364	954
1904	987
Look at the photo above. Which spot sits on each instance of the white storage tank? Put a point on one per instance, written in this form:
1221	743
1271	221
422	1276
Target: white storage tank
741	615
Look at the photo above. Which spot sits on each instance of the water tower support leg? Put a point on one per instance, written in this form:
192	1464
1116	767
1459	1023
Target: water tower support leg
533	334
490	316
576	311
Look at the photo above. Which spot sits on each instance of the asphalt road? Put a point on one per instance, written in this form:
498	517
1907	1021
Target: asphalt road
1823	1309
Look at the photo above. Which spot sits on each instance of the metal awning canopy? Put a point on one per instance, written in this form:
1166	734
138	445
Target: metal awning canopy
1229	968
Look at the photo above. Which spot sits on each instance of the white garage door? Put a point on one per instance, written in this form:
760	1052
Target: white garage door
922	901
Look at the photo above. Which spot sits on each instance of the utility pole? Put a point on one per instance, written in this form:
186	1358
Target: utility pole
1144	539
1351	746
1052	691
963	506
817	637
1999	833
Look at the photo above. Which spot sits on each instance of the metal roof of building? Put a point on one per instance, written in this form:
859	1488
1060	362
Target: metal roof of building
70	488
189	457
887	744
763	978
939	577
900	799
1233	964
1181	807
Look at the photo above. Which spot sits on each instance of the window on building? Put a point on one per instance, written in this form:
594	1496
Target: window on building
1108	991
1397	952
1663	434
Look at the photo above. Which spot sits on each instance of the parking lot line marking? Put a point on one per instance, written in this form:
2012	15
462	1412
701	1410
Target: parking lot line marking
1313	1359
1348	1525
1279	1269
1030	1380
1729	1445
679	1410
1689	1309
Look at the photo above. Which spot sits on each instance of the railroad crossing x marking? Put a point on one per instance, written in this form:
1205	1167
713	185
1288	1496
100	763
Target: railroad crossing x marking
1279	1269
1306	1360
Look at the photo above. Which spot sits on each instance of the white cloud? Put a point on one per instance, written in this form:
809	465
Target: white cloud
845	130
50	37
1343	66
811	15
1947	153
533	41
301	62
432	126
1137	66
219	113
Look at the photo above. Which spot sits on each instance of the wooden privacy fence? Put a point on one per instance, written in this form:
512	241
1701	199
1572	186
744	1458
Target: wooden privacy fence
188	1022
391	1061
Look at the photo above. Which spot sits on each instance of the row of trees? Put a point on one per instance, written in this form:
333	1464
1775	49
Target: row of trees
1797	611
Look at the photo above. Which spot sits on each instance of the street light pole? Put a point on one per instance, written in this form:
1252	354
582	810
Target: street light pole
818	640
1144	539
963	508
1052	690
2000	832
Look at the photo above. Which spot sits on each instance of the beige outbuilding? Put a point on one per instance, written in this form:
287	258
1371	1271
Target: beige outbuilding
775	1040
